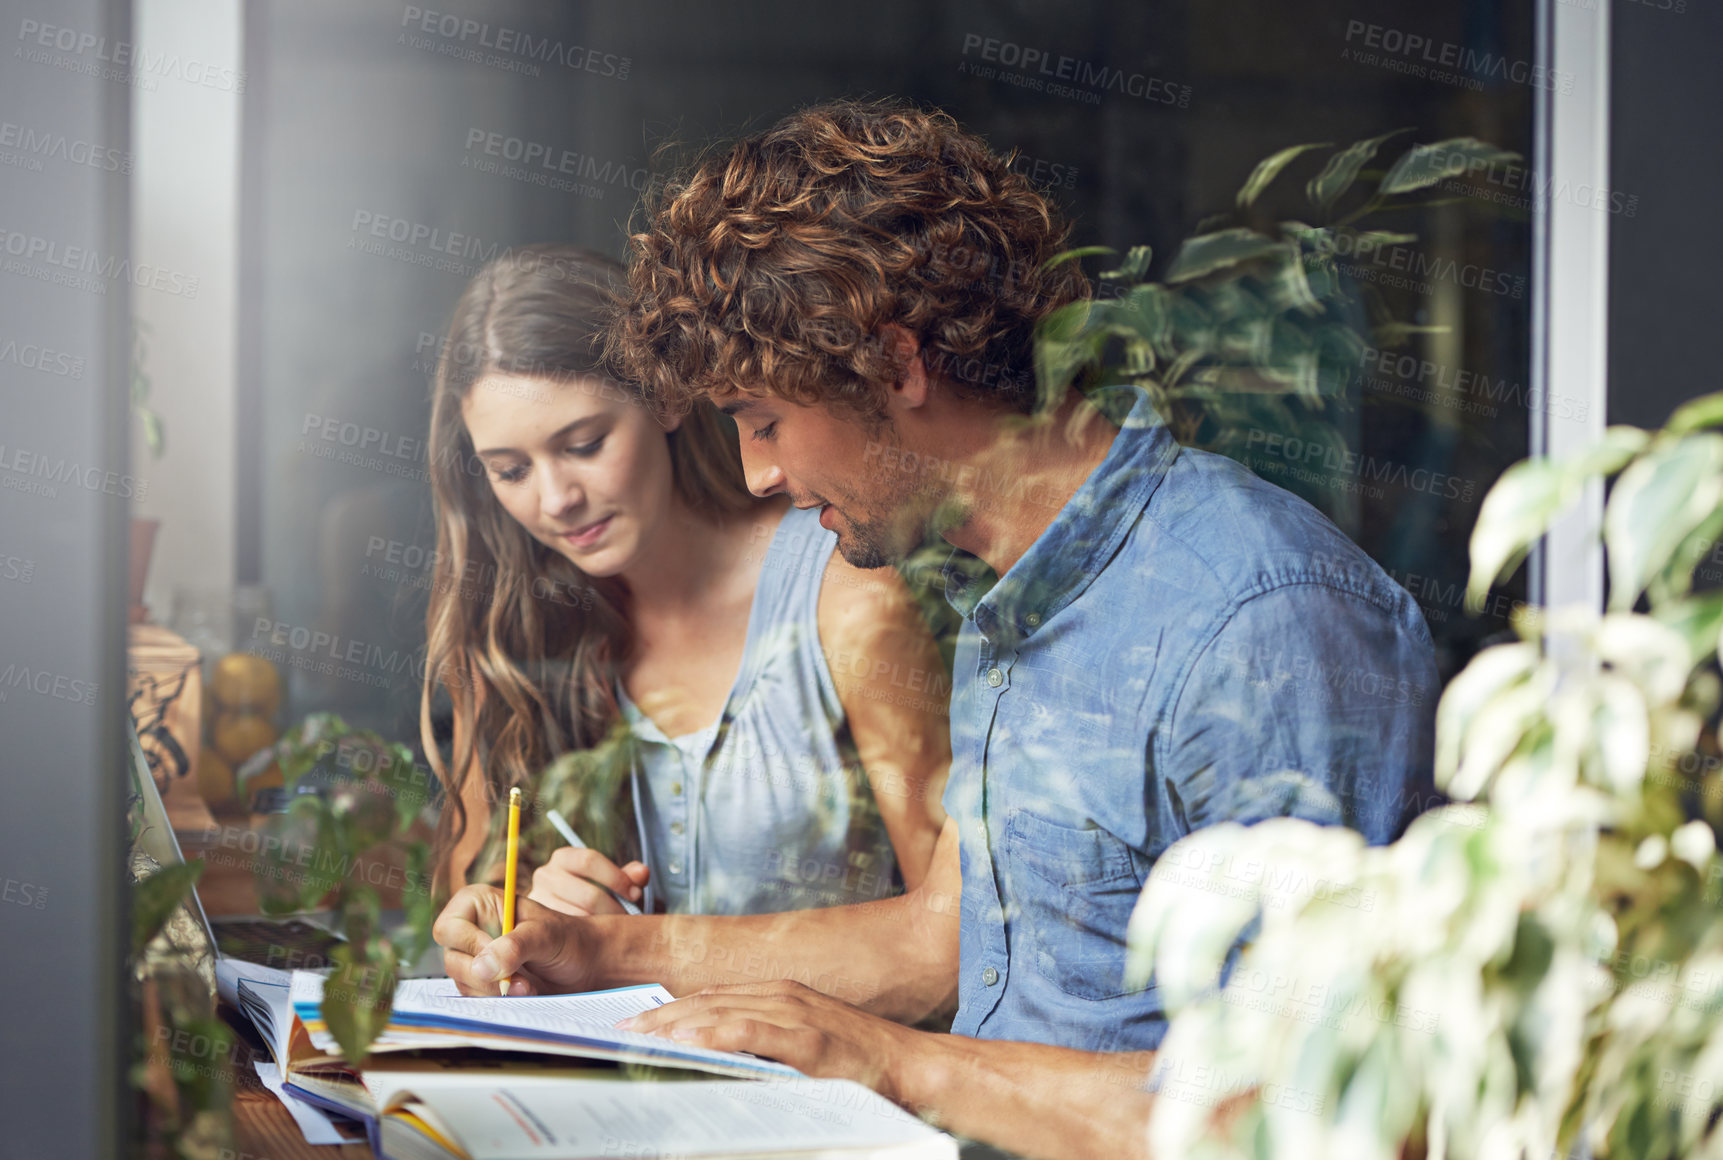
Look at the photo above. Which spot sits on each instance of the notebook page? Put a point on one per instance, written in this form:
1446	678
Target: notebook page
525	1119
597	1010
441	997
436	1005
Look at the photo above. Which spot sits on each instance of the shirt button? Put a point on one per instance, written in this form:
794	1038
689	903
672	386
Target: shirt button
990	976
995	678
676	828
1033	619
675	867
675	789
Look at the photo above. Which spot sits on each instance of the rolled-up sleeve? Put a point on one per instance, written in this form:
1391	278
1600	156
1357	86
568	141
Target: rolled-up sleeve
1308	701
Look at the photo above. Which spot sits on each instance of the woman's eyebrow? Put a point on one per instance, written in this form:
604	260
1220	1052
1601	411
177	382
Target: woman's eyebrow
551	438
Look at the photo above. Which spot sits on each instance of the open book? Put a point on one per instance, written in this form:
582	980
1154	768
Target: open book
433	1013
447	1065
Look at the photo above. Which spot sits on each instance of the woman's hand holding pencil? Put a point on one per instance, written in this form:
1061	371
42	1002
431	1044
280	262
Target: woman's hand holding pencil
580	882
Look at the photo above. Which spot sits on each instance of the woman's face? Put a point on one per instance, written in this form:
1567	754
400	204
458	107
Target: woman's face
582	466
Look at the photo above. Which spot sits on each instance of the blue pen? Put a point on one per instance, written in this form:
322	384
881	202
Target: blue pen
573	839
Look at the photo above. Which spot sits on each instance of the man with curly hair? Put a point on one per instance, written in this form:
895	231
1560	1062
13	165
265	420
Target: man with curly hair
1154	639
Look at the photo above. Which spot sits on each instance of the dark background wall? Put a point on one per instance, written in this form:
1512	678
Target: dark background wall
1666	105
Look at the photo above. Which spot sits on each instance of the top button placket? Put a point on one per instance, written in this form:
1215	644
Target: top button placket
994	679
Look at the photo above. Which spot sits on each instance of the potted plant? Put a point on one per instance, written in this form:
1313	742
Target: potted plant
1537	967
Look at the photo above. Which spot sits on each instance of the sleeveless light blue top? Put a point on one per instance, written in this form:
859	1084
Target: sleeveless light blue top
768	808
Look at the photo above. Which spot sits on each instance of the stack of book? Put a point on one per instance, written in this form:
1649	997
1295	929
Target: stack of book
551	1078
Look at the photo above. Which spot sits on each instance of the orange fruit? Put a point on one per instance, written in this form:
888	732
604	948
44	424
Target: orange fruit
214	777
247	682
238	735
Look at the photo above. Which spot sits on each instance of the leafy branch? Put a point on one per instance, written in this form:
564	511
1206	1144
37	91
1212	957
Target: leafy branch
1253	326
1542	963
315	855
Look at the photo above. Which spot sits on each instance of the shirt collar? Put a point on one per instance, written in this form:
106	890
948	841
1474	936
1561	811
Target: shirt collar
1083	536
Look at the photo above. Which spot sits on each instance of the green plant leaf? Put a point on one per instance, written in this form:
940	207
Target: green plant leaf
357	998
1207	253
1270	168
154	899
1527	499
1657	502
1675	581
1705	411
1185	945
1517	510
1147	314
1342	169
1288	287
155	435
1425	165
1135	266
1491	677
1380	238
1393	334
1065	343
305	858
1699	620
1076	254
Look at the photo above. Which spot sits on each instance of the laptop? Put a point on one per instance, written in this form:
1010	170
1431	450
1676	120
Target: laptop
299	942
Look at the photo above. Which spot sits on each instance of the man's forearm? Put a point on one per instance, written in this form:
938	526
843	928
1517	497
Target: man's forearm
896	958
1051	1103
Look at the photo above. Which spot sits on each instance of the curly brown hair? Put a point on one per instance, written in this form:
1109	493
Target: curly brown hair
774	265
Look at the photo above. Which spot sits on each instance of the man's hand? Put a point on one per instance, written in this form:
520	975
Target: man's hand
547	953
567	882
797	1025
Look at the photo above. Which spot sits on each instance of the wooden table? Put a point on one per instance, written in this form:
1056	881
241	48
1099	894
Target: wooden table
262	1127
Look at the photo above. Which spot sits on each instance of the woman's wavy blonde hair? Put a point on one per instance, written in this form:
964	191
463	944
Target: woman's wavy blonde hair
525	645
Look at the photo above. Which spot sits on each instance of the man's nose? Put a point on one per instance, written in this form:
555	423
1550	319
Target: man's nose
763	476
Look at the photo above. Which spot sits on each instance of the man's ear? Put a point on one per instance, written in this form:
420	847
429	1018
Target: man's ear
909	387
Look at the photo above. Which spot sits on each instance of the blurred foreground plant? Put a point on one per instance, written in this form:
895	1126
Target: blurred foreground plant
1539	964
1257	327
324	851
181	1050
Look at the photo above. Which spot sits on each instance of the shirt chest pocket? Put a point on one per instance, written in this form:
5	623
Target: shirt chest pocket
1071	892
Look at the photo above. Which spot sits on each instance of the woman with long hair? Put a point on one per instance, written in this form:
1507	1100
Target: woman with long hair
739	719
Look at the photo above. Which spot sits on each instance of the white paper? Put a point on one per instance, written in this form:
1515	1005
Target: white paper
276	997
524	1119
596	1010
317	1126
228	973
592	1015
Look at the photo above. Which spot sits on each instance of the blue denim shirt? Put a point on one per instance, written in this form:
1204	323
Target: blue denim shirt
1185	644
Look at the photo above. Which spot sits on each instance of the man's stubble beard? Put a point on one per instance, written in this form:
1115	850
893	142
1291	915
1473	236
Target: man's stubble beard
890	533
903	511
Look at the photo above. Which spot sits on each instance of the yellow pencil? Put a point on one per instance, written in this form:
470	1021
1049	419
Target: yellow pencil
509	874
